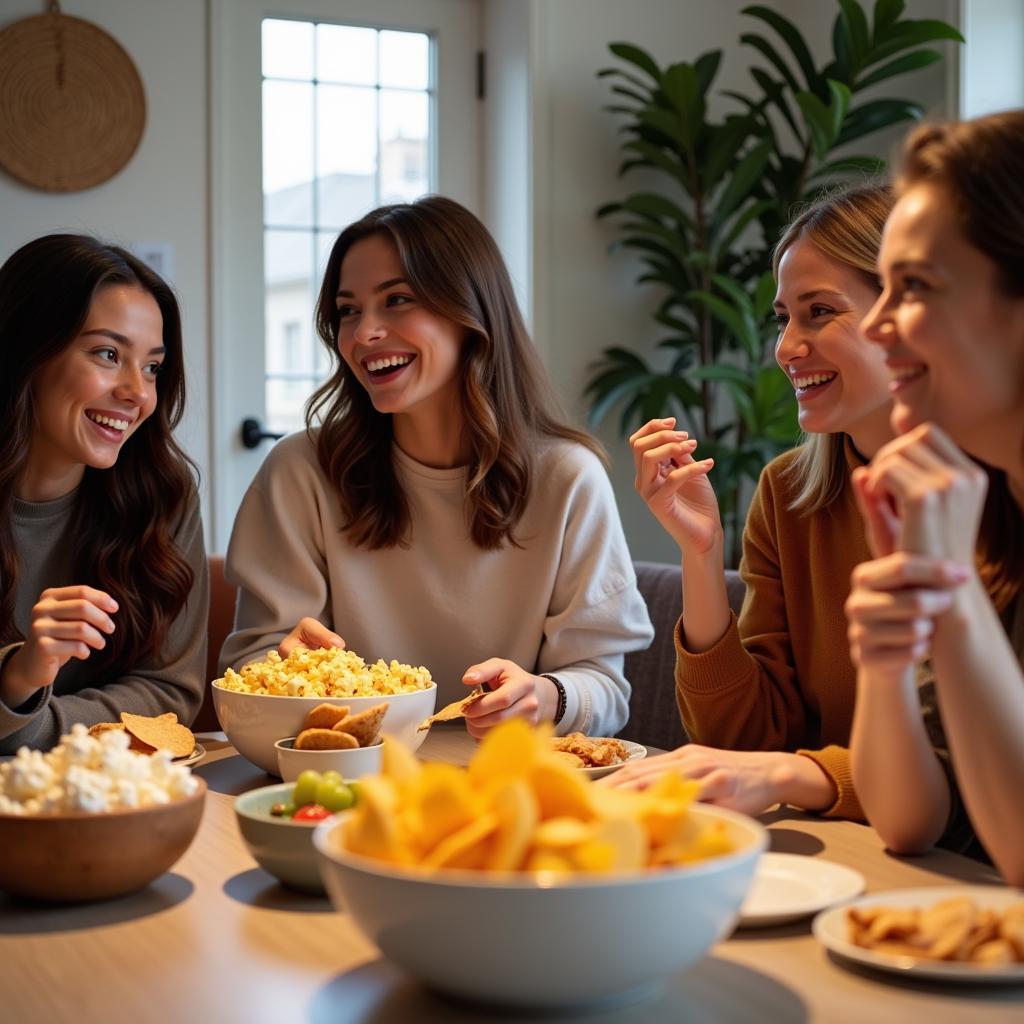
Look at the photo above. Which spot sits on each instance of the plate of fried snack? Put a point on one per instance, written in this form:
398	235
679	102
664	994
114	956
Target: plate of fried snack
971	934
596	755
147	734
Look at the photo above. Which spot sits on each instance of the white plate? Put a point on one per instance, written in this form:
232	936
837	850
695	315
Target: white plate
634	751
830	930
198	753
787	887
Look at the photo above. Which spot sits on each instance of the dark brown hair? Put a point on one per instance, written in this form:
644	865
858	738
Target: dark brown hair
979	165
125	516
455	270
847	227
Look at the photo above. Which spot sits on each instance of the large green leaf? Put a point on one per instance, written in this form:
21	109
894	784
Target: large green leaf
793	39
747	172
818	120
774	90
870	117
725	312
857	33
887	13
706	66
913	61
725	240
683	90
773	57
641	58
869	165
659	207
725	142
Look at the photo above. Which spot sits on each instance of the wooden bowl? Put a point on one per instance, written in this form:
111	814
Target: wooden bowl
72	858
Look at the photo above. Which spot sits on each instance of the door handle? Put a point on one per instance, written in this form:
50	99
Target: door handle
252	433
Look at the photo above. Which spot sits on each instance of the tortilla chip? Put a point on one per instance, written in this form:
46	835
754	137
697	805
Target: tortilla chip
452	711
324	716
164	732
325	739
365	725
101	727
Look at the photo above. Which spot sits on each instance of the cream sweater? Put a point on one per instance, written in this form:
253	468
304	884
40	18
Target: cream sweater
565	603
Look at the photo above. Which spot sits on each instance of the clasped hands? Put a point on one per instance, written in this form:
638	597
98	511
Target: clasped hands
922	500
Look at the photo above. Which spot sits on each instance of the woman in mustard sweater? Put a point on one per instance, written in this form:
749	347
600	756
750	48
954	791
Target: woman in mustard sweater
768	700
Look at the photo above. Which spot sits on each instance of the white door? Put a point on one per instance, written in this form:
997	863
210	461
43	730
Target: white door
322	109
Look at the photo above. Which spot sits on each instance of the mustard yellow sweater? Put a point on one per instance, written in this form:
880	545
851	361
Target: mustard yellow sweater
781	677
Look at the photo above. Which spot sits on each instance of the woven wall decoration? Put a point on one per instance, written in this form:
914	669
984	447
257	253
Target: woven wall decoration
72	106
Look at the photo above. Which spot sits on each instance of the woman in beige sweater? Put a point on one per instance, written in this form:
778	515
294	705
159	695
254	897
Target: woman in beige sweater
768	699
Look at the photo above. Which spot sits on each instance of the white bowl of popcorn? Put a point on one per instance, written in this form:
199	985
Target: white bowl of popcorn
92	819
268	700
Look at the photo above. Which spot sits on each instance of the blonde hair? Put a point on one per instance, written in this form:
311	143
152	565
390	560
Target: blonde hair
847	227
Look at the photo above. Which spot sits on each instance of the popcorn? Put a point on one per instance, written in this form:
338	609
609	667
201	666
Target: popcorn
92	775
326	672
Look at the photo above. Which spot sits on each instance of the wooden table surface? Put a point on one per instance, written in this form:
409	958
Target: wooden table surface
218	940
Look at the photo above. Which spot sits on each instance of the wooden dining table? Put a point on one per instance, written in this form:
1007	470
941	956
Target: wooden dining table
216	939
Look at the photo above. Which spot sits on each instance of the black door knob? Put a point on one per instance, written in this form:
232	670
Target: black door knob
253	433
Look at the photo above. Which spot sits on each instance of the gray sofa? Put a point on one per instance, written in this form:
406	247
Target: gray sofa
653	715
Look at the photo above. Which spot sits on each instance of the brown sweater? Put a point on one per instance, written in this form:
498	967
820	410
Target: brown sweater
781	678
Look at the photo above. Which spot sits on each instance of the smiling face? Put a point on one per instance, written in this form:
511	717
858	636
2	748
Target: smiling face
952	339
407	357
840	381
93	396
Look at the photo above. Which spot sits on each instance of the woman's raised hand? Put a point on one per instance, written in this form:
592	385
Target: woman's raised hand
311	633
675	485
67	622
516	693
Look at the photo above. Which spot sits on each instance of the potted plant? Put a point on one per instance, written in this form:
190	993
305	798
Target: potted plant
730	186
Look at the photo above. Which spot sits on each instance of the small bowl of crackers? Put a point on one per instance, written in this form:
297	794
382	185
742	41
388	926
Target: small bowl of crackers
333	738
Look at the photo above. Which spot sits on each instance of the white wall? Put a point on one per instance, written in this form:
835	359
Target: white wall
161	195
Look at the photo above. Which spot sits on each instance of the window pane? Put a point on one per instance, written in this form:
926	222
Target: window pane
286	400
288	153
346	54
288	301
287	49
405	59
346	153
404	149
324	242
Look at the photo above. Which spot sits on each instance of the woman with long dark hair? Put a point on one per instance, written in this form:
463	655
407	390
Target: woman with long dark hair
103	585
944	504
435	510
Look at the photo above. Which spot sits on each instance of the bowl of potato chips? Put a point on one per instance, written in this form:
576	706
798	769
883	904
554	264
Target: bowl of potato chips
553	891
269	700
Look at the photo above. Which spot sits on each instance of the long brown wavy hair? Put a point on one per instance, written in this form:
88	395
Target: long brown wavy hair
125	516
979	164
846	225
455	270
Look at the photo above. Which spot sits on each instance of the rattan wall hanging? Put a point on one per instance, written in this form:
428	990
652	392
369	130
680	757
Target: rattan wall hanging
72	107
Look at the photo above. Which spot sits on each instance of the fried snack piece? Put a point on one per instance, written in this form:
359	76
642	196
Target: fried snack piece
565	756
593	751
450	712
1011	929
951	930
325	716
363	726
325	739
164	732
101	727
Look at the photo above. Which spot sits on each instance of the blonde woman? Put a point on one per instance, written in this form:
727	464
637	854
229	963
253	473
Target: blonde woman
768	699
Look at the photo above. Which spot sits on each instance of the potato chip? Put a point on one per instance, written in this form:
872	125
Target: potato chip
364	726
519	807
164	732
457	709
324	716
325	739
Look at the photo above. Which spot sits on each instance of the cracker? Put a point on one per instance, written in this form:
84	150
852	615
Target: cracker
325	739
452	711
324	716
164	732
365	725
